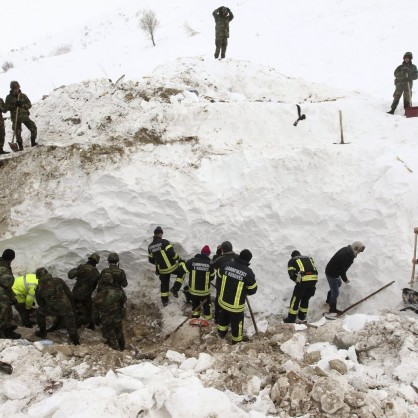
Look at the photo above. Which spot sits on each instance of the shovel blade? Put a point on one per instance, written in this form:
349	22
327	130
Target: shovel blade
13	146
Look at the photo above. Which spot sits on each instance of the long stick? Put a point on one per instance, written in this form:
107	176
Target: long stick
191	315
15	127
367	297
252	316
341	127
415	257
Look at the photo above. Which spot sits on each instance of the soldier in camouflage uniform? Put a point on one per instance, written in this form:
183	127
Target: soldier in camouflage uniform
109	311
87	276
118	275
54	299
6	283
222	17
6	270
18	103
3	109
404	76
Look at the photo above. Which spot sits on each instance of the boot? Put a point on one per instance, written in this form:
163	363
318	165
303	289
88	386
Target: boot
91	326
20	145
55	326
333	308
174	292
288	320
75	339
391	111
33	143
40	333
3	152
121	342
12	335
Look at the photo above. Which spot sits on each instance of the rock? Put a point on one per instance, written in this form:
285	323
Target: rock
344	340
253	386
354	399
338	365
319	372
65	350
312	357
298	395
329	393
279	391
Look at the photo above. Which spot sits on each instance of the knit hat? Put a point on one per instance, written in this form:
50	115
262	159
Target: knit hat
407	55
226	246
8	255
295	253
357	247
245	255
158	230
206	250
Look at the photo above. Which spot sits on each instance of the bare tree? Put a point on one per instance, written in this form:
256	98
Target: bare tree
149	23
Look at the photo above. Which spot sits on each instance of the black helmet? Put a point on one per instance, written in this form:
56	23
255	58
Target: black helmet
113	258
41	271
94	257
7	280
407	55
14	84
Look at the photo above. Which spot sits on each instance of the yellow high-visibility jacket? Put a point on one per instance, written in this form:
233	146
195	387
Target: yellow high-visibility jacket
24	289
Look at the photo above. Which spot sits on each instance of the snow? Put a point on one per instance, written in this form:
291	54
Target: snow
207	149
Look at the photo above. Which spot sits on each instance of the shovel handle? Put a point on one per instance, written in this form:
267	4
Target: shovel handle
415	257
17	113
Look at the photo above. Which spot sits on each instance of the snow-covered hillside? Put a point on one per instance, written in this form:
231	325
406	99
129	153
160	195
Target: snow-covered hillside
132	137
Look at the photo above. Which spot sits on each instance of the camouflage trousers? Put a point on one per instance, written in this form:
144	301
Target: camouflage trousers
221	44
112	330
400	89
17	129
2	133
65	318
83	311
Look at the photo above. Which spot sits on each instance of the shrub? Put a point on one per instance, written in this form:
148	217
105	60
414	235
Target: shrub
149	23
7	65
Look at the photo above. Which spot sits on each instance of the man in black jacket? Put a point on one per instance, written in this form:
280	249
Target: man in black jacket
161	253
237	281
303	272
336	270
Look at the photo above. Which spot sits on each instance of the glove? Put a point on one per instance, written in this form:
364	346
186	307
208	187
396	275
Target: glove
18	103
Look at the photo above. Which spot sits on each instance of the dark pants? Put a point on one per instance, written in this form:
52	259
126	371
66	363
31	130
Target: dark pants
83	311
299	303
407	93
334	285
236	320
2	133
165	283
112	330
24	313
207	306
221	44
66	319
17	129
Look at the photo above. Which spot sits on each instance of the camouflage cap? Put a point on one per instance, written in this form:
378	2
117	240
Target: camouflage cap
94	257
14	84
113	258
7	280
41	271
408	55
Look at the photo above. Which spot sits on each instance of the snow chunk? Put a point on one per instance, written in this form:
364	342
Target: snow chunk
175	356
358	321
204	362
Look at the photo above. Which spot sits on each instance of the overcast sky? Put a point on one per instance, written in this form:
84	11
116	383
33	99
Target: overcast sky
25	21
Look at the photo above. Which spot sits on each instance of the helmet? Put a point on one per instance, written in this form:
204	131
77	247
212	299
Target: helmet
408	55
106	280
41	271
94	257
14	84
113	258
7	280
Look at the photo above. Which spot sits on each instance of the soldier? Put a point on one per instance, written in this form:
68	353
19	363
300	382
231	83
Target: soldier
227	256
161	253
54	299
6	283
109	311
87	276
404	76
118	275
19	104
336	270
237	281
201	272
24	288
3	109
302	271
222	17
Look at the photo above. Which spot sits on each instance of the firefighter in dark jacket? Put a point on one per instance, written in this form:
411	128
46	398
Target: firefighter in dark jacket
303	272
237	281
161	253
336	271
226	256
201	272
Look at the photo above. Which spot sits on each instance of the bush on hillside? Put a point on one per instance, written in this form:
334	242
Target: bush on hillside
149	23
7	65
61	50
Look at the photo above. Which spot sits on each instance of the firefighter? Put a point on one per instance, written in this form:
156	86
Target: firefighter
167	262
303	272
201	272
237	281
24	290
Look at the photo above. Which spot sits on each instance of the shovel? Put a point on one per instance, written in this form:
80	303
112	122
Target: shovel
6	368
13	145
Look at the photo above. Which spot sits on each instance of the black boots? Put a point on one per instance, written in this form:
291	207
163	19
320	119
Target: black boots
174	292
333	308
20	145
33	142
41	333
2	152
391	111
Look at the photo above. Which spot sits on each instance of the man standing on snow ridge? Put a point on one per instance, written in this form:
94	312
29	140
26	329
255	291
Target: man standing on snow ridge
167	262
3	109
404	76
222	16
303	272
19	104
336	270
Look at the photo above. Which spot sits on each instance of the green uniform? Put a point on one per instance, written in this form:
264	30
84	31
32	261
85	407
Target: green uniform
22	113
54	299
222	17
3	109
118	275
6	283
404	76
109	311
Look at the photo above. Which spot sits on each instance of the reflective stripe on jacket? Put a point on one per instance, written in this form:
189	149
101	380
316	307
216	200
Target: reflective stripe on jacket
302	269
24	289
